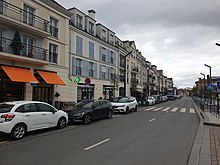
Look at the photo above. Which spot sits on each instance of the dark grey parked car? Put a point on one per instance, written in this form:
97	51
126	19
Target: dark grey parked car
88	110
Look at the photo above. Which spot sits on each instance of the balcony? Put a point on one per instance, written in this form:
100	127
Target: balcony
135	69
13	15
28	51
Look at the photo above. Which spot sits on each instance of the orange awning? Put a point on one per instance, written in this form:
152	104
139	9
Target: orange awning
19	74
51	77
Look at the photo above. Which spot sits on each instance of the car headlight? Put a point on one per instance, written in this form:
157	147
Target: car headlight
80	114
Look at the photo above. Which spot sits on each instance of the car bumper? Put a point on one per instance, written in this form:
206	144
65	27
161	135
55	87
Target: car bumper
119	109
6	127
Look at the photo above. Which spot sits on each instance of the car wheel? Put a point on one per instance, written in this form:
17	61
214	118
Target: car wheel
109	116
87	119
127	110
135	109
61	123
18	131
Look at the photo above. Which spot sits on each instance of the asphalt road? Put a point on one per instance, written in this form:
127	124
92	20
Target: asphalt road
155	135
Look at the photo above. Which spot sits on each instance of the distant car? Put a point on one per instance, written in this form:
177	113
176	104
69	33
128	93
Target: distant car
88	110
151	100
19	117
124	104
157	98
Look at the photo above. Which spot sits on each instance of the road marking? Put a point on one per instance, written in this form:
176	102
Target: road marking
191	110
95	145
148	109
157	109
174	110
151	120
167	108
183	110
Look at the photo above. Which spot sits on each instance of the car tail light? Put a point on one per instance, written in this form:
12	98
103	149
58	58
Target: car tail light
8	117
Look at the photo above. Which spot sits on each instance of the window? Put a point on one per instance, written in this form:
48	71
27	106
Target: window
78	67
1	39
28	46
103	55
45	108
91	70
79	20
27	108
79	45
91	28
103	35
28	16
53	27
53	49
91	50
1	6
112	74
111	57
111	39
103	72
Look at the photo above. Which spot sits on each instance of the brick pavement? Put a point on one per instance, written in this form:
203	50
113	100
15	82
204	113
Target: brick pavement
215	144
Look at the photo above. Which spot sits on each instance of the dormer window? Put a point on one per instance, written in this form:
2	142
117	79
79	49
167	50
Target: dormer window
79	22
111	39
91	28
103	35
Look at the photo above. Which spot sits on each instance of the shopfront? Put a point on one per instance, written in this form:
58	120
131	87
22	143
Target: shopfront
85	91
108	92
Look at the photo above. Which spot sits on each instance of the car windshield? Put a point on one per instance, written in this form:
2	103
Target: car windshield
5	108
84	104
121	100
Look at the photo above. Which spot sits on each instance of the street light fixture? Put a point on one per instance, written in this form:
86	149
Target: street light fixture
125	72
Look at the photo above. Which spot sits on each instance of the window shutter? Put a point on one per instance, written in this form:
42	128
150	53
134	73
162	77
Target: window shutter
95	70
85	69
100	71
73	66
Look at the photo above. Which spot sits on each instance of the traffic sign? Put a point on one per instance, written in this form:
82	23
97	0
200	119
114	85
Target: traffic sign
209	86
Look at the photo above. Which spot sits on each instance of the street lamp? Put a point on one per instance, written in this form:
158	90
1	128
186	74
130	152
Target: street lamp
210	82
125	72
203	85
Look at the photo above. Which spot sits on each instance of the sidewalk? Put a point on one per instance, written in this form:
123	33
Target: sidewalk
206	148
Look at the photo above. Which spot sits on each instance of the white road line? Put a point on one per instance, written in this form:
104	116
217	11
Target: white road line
157	109
148	109
174	110
183	110
151	120
165	109
191	110
95	145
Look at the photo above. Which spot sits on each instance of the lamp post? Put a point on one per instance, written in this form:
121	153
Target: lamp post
148	79
203	85
210	82
125	72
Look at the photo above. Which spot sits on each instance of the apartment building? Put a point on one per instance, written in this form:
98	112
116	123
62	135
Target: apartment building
33	48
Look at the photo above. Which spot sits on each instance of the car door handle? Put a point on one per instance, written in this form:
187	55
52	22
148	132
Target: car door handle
43	114
26	115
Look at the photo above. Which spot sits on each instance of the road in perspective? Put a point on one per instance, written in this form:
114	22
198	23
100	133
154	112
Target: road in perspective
162	134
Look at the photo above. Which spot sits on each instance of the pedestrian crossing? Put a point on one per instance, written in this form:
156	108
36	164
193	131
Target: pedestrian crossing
171	109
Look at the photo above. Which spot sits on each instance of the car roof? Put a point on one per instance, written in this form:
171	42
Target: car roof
20	102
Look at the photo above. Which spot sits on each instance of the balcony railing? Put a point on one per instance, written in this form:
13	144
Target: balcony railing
135	69
29	51
23	16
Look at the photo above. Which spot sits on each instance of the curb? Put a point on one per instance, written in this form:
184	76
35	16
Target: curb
200	153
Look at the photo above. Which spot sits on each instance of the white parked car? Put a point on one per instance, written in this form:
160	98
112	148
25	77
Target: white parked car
19	117
124	104
151	100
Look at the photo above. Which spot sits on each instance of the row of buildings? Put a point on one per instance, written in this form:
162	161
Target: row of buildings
53	54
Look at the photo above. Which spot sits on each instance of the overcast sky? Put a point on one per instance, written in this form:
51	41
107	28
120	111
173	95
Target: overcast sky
178	36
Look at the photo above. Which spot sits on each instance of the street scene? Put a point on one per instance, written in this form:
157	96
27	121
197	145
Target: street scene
109	82
159	134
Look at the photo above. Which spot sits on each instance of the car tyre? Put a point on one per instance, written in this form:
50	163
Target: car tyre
61	123
109	116
127	110
87	119
18	131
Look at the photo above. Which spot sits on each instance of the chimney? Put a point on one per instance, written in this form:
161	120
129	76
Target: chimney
91	13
